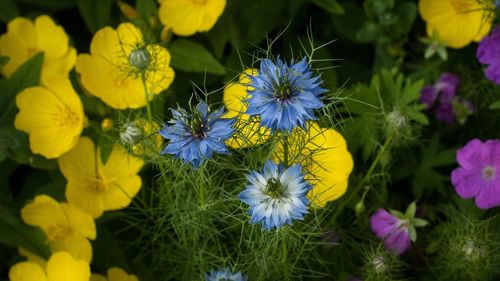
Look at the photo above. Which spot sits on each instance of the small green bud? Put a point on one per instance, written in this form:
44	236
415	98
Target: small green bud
359	208
139	58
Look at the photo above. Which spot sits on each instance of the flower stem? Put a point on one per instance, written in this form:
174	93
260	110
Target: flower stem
285	149
146	93
366	178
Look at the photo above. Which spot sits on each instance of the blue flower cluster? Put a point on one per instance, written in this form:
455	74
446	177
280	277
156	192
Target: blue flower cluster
285	96
195	137
277	195
224	275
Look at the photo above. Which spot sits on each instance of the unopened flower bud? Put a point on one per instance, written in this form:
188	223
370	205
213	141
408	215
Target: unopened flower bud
139	58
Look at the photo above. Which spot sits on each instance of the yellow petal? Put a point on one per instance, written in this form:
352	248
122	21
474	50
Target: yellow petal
118	274
43	212
27	271
161	75
120	164
19	43
79	194
79	221
129	37
52	115
63	267
213	10
52	39
182	16
78	246
120	193
80	162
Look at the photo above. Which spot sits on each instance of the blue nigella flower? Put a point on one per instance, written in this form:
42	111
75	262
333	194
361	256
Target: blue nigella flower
195	137
285	96
224	275
277	195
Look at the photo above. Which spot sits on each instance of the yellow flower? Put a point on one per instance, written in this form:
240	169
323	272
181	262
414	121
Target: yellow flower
25	38
118	62
186	17
30	257
60	267
325	159
114	274
457	22
96	187
52	115
248	131
67	227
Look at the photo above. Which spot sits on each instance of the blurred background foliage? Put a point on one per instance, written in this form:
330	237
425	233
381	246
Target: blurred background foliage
376	65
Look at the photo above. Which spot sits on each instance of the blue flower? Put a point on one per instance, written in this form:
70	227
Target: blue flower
277	196
285	96
195	137
224	275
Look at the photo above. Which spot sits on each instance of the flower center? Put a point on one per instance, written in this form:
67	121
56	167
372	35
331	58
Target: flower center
489	172
97	184
283	92
274	188
58	232
199	2
67	117
198	127
139	58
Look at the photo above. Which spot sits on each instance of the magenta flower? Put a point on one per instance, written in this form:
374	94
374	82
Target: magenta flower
479	173
445	89
393	230
442	99
488	53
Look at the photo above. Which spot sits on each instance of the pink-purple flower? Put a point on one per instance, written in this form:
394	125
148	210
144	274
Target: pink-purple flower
488	53
394	231
479	173
442	99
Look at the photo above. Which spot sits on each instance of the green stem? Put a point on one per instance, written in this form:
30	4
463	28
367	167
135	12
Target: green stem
366	178
285	149
146	93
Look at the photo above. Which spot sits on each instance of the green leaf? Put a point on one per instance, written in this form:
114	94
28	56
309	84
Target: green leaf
17	234
8	10
331	6
4	60
19	151
418	116
413	233
419	222
106	144
495	105
95	13
410	211
27	75
193	57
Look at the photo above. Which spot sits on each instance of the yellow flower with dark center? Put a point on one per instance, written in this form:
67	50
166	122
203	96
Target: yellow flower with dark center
248	131
52	115
122	70
67	227
186	17
96	187
60	267
114	274
325	159
25	38
457	22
